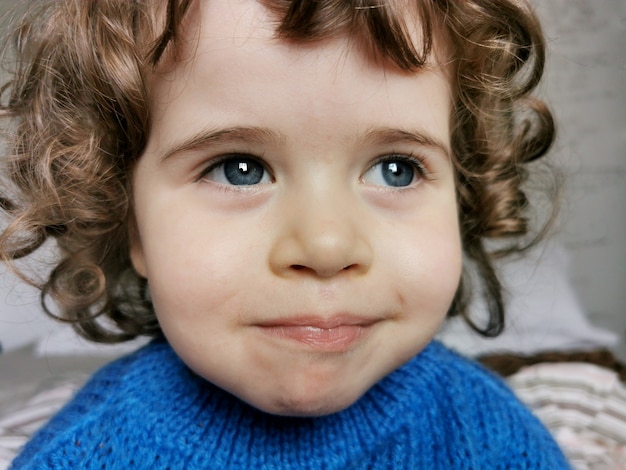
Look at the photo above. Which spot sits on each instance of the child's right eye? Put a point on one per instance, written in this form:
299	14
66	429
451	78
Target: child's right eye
236	170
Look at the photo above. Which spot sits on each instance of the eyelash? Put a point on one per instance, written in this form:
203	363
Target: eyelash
222	159
416	161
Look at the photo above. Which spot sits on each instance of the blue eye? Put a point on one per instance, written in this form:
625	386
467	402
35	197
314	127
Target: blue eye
397	172
237	171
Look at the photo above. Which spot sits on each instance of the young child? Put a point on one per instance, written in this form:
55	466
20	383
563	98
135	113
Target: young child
281	194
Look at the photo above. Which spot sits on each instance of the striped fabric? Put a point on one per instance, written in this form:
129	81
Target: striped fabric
583	405
18	423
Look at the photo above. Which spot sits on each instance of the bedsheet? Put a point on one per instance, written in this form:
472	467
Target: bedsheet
32	389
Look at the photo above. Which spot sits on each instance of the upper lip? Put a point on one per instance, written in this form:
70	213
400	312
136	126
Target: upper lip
323	323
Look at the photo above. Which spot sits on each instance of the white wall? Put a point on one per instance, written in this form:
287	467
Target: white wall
21	318
586	85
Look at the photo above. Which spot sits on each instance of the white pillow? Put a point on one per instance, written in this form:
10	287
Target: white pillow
543	313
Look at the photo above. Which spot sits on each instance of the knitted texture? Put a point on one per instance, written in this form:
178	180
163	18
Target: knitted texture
149	411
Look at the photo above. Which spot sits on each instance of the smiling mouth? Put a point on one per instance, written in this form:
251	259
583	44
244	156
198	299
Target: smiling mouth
337	334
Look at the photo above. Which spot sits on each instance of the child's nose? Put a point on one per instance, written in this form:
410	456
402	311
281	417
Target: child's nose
321	238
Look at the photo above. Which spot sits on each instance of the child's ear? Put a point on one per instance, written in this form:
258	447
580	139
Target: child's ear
136	249
137	259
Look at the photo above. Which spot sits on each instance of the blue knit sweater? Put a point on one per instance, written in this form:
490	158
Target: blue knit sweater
149	411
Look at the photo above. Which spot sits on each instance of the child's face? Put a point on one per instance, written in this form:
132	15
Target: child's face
295	252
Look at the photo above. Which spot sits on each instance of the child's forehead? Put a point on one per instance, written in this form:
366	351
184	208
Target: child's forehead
229	43
246	23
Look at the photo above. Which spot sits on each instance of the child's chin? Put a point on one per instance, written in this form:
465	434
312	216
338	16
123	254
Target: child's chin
308	405
306	410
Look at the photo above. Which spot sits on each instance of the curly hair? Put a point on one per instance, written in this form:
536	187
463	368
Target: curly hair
78	110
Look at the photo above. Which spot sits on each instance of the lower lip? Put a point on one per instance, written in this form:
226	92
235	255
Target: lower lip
336	339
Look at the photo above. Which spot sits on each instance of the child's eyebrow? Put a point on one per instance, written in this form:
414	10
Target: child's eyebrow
208	137
380	136
389	136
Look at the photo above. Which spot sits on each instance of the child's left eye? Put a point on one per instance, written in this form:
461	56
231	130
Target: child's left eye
395	171
237	170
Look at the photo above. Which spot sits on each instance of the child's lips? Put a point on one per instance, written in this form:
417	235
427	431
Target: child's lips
334	334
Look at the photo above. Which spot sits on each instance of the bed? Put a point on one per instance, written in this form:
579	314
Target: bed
32	388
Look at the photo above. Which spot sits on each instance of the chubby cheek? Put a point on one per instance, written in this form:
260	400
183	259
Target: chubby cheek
427	247
191	277
427	269
434	272
198	291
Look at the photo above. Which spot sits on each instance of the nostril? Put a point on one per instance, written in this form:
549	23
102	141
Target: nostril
301	267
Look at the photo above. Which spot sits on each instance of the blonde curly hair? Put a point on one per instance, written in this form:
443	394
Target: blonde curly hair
78	119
